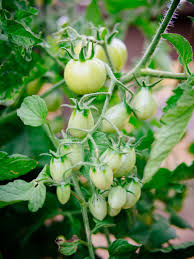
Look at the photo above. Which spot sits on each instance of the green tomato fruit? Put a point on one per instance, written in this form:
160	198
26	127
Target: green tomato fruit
80	119
112	159
118	115
117	197
58	166
85	77
102	177
74	153
113	212
54	101
144	104
127	162
118	53
63	193
34	86
133	195
98	206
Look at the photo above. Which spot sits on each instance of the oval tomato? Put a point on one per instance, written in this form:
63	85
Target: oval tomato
85	77
102	177
127	162
144	104
58	166
80	119
117	197
98	206
63	193
112	159
118	115
133	195
113	212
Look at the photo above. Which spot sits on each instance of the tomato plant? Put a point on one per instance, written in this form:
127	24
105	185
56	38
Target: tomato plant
85	156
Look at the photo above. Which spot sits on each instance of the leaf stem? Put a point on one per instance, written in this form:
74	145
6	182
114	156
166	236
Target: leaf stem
154	43
85	216
51	135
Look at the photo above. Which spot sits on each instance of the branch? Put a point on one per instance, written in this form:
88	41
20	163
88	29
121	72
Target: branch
162	74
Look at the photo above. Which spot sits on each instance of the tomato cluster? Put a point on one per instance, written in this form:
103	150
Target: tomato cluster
111	172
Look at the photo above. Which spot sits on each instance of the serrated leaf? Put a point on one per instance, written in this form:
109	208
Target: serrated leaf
181	45
20	190
38	196
100	224
171	102
15	165
44	174
175	121
33	111
21	14
120	247
93	13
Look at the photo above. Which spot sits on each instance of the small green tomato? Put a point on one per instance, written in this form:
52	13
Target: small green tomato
117	197
118	115
54	101
58	166
144	104
127	162
102	177
113	212
80	119
85	77
98	206
63	193
133	195
112	159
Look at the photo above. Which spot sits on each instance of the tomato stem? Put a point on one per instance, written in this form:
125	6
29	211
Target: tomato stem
104	45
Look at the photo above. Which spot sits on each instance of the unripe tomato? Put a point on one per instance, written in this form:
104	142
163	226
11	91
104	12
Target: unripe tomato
98	51
80	119
117	197
63	193
127	162
102	177
54	101
85	77
133	197
144	104
118	53
118	115
112	159
75	155
34	86
98	206
58	166
113	212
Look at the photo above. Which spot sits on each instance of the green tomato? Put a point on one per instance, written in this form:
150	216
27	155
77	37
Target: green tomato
144	104
98	51
75	155
58	166
118	115
80	119
113	212
54	101
127	162
133	195
98	206
102	177
118	53
117	197
85	77
112	159
63	193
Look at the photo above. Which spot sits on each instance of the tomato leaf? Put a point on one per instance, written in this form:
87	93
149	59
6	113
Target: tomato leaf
178	221
69	247
121	246
15	165
20	190
33	111
181	45
175	121
93	13
100	224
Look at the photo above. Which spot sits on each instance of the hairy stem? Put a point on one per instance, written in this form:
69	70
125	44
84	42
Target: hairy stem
162	74
104	45
51	135
84	215
154	43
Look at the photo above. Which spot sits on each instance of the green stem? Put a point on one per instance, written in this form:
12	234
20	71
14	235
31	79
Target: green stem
104	45
107	235
162	74
84	215
154	43
53	88
51	135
